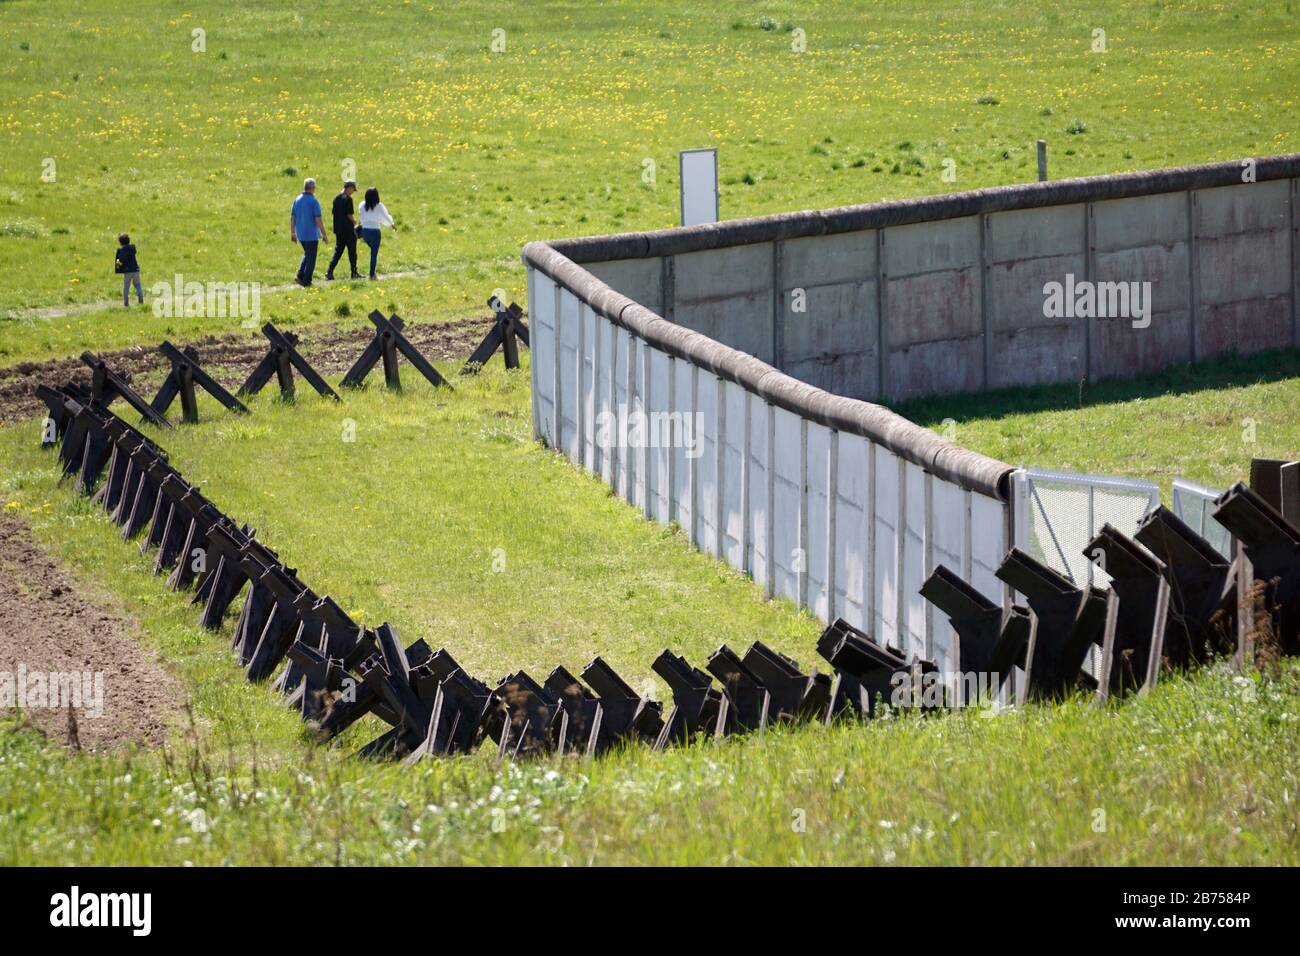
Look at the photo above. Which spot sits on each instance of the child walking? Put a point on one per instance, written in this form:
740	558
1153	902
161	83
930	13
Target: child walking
128	267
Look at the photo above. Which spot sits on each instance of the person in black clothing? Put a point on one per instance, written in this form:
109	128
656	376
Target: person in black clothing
127	266
345	229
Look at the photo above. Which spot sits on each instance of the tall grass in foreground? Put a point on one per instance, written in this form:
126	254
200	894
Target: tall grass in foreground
403	524
1202	771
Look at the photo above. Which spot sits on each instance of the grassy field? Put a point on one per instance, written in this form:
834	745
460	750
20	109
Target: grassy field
1204	423
404	525
198	154
445	520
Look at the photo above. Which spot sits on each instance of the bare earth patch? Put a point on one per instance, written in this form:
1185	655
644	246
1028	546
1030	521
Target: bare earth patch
46	625
231	357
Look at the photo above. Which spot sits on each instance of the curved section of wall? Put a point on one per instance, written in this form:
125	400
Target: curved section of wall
788	472
946	294
919	445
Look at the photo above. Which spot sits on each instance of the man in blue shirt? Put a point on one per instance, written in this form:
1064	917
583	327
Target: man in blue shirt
305	226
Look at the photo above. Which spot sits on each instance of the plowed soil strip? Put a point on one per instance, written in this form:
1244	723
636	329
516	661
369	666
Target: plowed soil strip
121	695
230	358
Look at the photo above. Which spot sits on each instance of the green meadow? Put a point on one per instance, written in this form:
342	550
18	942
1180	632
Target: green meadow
480	141
443	518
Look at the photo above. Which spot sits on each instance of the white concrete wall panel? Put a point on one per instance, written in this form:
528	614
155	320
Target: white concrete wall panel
833	343
949	547
569	438
988	544
605	409
686	453
757	527
641	280
887	573
789	552
708	497
638	452
589	361
662	434
734	460
542	357
853	512
915	567
532	275
623	350
726	294
821	500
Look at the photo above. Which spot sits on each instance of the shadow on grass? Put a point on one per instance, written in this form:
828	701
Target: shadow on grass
1231	371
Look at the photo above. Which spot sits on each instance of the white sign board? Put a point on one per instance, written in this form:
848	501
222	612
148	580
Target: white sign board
699	179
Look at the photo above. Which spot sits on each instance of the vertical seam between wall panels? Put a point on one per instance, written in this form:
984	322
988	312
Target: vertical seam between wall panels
673	513
612	453
801	577
695	531
667	287
882	343
900	558
987	320
746	558
778	311
557	419
1089	268
720	469
1009	531
597	332
1193	275
869	608
769	526
1295	261
647	508
629	386
968	542
580	395
832	509
531	278
928	565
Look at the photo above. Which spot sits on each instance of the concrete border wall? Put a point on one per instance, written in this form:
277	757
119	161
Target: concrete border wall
822	497
944	295
838	505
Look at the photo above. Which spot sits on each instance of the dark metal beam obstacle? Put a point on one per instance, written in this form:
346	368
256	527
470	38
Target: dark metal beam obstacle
506	333
1133	650
698	707
989	641
594	717
107	386
59	413
280	360
864	671
1067	623
386	344
185	374
1268	561
464	710
1201	589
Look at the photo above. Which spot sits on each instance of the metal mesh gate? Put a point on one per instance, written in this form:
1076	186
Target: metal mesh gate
1058	512
1194	503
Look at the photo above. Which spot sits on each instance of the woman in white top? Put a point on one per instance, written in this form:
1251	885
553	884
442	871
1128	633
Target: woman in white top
372	215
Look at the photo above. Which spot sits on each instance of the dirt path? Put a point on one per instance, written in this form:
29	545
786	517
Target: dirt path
48	626
81	308
230	358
